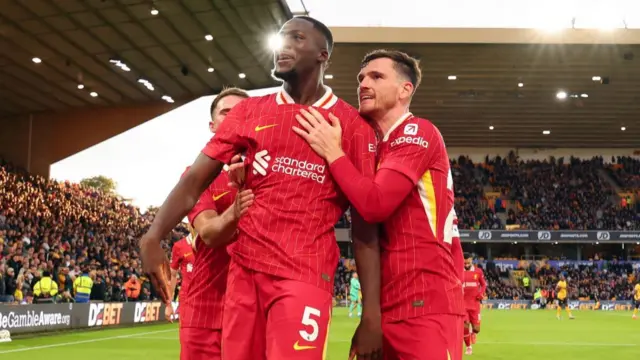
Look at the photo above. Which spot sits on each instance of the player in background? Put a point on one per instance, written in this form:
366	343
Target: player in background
636	298
284	259
181	262
474	286
412	194
561	290
214	218
354	295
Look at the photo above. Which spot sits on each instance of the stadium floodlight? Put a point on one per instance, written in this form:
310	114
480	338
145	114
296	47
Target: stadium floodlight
275	42
561	95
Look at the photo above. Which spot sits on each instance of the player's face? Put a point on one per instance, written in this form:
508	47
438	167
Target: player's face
222	109
301	51
380	87
468	263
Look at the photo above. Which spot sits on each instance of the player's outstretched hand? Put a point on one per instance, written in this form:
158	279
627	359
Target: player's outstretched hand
324	136
366	343
236	172
156	264
168	312
244	199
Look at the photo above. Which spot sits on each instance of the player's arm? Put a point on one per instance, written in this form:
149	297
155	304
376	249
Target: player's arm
456	247
376	199
483	283
218	229
176	259
185	194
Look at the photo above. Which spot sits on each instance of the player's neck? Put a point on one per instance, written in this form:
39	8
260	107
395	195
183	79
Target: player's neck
388	119
306	90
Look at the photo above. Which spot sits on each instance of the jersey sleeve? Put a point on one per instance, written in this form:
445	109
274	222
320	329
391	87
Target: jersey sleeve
413	150
176	256
206	202
229	141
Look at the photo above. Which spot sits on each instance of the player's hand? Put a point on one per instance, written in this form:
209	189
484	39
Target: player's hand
168	312
156	264
366	343
244	199
324	136
237	172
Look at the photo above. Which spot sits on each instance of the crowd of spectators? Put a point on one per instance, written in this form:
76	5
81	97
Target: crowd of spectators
626	172
64	229
614	281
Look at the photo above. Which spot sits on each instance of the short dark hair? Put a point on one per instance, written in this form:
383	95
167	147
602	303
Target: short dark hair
468	255
404	64
230	91
322	28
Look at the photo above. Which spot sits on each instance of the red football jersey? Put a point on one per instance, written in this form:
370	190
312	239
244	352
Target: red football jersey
418	271
203	304
182	260
474	286
289	229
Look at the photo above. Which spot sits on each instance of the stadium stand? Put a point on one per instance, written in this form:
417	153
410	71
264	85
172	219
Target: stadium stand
61	227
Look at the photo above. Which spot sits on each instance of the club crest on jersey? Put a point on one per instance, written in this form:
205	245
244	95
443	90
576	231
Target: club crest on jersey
411	129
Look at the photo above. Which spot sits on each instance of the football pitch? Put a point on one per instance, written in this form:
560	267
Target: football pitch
515	334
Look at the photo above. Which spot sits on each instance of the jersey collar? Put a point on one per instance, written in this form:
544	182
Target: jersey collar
398	122
325	102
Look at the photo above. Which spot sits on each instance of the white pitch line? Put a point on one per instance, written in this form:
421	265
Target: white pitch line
84	341
551	343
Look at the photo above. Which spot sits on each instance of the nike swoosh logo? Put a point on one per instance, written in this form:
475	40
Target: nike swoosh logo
298	347
260	128
218	197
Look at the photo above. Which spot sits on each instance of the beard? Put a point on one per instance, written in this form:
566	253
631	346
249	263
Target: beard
285	76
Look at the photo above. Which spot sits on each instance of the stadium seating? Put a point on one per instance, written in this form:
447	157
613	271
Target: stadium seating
47	225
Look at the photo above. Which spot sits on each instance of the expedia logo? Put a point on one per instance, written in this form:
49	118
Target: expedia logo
544	235
105	314
410	140
147	312
603	235
484	235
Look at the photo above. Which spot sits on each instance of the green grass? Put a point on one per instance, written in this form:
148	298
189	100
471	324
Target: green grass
523	335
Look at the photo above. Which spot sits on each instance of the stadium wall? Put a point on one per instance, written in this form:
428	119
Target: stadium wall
24	319
36	141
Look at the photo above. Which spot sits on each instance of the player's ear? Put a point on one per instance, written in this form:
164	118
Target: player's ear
406	90
323	56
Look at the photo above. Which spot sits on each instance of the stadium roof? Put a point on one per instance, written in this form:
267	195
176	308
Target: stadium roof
111	47
513	88
92	43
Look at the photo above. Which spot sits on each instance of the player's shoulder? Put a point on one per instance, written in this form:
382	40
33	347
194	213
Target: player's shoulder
257	103
417	126
348	115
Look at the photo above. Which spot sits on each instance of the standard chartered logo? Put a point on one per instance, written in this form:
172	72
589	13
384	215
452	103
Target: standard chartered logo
261	162
290	166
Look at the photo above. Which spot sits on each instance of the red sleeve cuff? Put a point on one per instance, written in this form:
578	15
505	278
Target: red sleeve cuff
215	152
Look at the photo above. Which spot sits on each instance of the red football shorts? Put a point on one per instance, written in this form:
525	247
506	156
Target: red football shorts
473	315
427	337
200	344
267	317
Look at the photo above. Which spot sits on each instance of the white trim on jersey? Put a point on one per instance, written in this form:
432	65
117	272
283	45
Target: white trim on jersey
402	119
325	102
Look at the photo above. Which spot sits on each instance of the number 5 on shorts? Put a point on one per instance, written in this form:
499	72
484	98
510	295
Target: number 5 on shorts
308	321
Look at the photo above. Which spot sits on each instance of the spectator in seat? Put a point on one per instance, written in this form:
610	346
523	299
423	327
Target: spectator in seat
132	288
